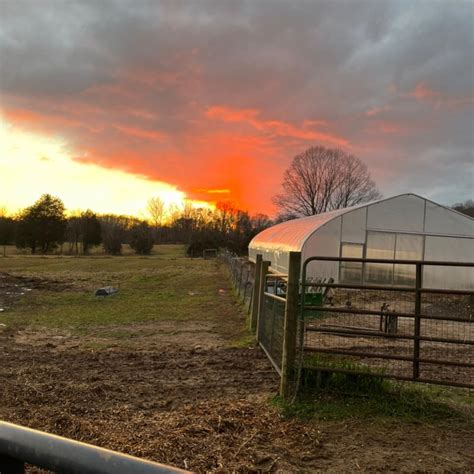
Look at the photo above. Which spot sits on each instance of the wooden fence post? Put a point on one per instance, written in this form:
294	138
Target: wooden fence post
290	331
256	286
260	293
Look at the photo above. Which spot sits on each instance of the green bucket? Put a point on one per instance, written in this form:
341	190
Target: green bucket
312	299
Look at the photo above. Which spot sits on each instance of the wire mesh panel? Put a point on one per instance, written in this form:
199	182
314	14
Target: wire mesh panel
365	322
406	332
243	276
270	328
447	337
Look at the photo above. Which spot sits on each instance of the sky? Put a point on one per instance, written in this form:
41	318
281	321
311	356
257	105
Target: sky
108	103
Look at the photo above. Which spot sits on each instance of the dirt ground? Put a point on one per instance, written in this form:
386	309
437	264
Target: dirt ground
189	398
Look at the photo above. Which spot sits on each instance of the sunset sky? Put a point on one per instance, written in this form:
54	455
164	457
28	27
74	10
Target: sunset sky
108	103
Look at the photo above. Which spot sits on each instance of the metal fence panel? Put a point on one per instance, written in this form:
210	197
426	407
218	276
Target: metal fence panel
409	333
271	326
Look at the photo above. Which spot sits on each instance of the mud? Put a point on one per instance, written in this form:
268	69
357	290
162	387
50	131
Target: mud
13	287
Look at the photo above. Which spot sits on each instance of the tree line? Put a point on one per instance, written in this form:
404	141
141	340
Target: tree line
45	227
318	180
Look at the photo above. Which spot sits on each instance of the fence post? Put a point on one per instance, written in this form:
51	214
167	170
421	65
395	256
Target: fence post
416	340
291	323
260	294
256	286
240	277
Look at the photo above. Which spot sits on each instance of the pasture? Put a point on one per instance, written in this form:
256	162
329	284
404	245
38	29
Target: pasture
166	370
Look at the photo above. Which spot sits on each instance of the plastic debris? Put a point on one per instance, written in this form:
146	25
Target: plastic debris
106	291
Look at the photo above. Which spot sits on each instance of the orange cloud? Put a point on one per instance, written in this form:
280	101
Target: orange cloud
274	127
20	115
227	114
140	133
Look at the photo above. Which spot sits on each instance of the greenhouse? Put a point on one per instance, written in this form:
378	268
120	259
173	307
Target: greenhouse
403	227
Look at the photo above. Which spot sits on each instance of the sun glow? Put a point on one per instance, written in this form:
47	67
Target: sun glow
31	165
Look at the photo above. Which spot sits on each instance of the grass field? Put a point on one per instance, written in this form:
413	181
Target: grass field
164	287
165	369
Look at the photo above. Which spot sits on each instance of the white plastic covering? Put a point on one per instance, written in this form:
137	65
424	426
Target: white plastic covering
405	226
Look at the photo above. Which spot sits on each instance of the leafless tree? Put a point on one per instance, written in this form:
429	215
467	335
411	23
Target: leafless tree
323	179
156	209
466	207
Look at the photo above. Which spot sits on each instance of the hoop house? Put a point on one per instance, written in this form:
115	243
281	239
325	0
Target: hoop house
404	227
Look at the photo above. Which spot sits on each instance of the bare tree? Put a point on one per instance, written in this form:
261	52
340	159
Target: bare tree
466	207
156	209
323	179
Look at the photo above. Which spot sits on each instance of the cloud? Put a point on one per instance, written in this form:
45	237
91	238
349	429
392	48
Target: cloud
221	95
140	133
274	127
424	93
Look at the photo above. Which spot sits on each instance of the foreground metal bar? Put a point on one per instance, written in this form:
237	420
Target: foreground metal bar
64	455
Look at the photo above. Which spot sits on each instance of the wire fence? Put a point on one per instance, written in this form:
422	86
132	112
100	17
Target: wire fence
271	326
243	277
409	333
413	332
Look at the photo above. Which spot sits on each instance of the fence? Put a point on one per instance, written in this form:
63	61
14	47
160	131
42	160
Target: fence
408	332
404	332
271	326
19	445
243	277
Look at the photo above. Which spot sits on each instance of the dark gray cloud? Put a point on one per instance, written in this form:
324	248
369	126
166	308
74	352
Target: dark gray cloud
129	84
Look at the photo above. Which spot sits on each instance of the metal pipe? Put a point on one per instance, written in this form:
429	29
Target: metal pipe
386	260
407	289
275	297
374	333
369	312
65	455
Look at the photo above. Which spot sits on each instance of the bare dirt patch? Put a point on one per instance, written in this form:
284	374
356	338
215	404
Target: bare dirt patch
195	335
205	408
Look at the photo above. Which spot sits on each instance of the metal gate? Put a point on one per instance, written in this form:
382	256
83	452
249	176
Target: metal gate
406	332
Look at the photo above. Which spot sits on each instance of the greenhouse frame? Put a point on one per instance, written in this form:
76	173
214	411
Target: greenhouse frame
403	227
